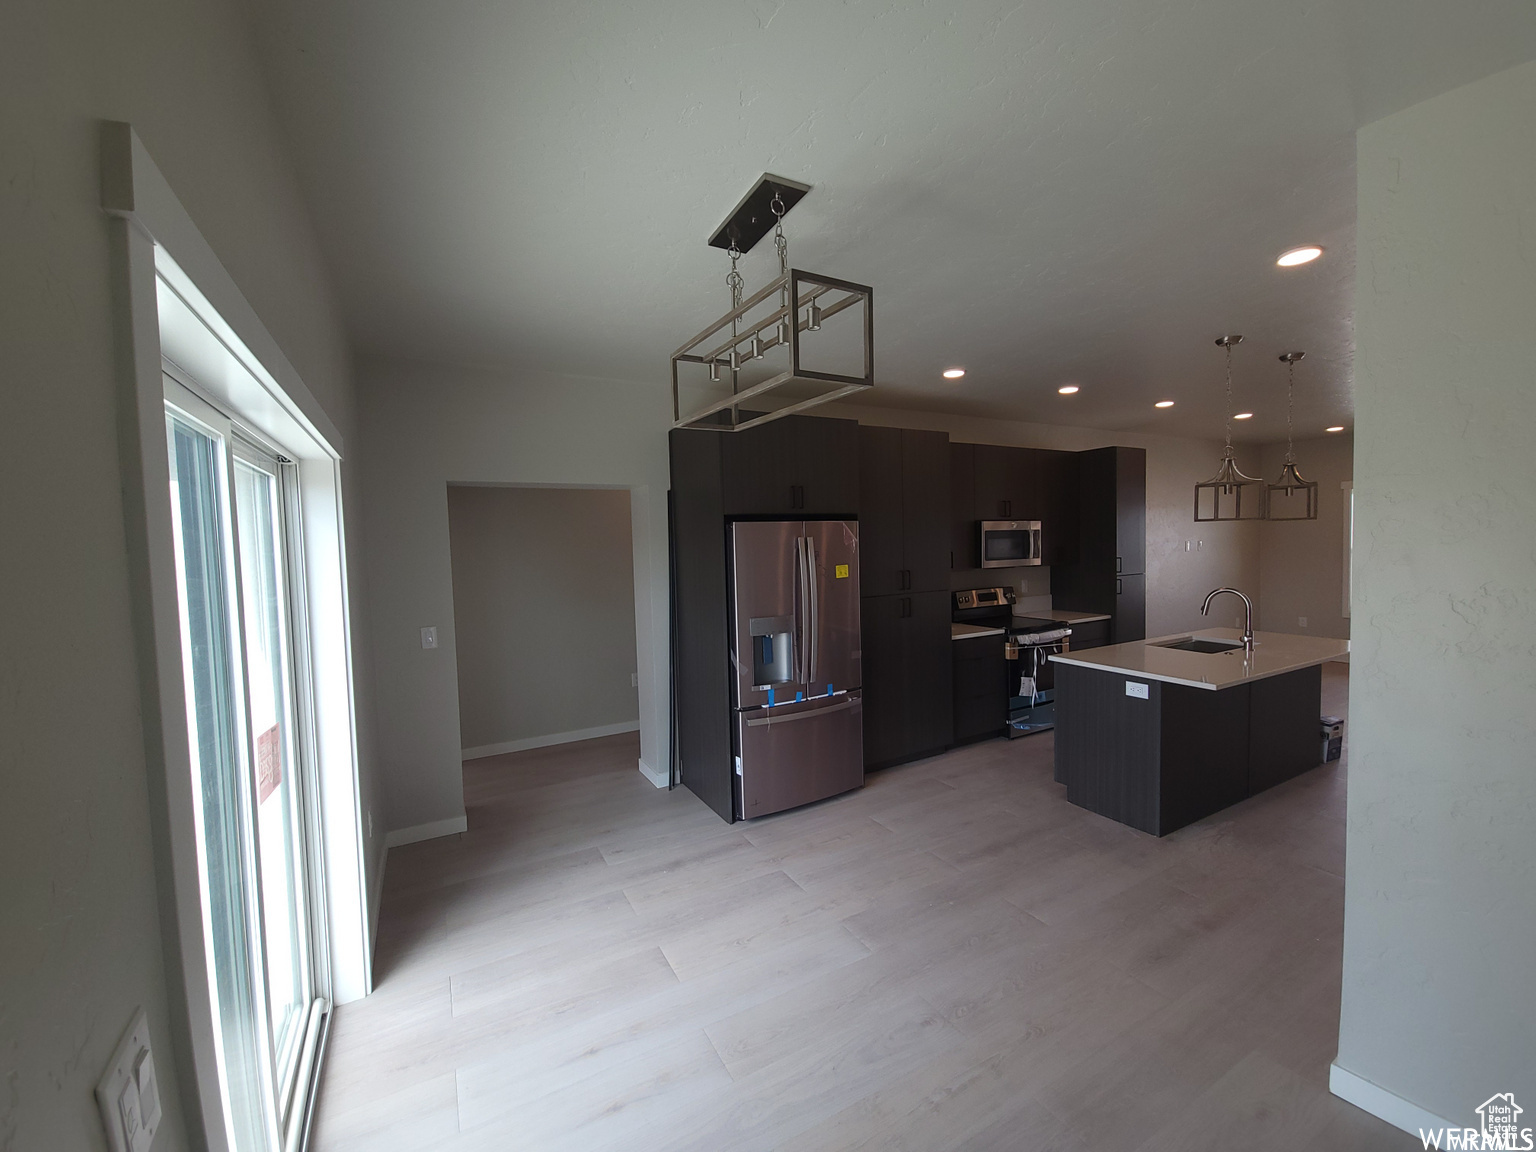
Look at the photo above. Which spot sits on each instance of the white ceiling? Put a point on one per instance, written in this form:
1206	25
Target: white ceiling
1084	191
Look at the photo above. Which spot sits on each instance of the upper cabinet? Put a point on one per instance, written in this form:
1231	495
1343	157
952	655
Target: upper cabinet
904	511
1109	573
1009	484
1026	484
1112	490
793	466
964	544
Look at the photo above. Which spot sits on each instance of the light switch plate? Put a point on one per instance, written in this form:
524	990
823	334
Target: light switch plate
129	1092
429	637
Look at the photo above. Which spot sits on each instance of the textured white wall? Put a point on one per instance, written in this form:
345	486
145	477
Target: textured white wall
81	945
1301	563
426	426
1440	891
543	611
1176	580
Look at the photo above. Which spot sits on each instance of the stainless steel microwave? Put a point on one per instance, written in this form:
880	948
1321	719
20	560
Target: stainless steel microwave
1010	543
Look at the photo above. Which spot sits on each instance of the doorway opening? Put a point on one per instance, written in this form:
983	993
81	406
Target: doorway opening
544	616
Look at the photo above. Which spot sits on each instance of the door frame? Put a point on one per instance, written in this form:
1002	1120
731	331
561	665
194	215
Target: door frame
175	301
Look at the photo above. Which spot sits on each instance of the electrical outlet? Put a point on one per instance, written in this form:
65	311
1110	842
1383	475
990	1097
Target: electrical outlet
1302	620
429	637
370	823
129	1092
634	679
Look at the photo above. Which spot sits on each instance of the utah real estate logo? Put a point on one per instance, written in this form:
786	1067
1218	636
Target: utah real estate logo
1500	1119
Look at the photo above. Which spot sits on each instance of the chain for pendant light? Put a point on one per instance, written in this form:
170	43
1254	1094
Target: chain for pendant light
781	245
780	241
1229	399
734	281
1290	359
1229	342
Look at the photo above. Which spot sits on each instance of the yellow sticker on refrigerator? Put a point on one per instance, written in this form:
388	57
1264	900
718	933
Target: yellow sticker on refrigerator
842	571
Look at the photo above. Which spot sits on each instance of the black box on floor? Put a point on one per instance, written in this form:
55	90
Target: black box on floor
1333	738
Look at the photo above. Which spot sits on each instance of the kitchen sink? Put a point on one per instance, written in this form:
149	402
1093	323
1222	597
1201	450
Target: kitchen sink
1196	644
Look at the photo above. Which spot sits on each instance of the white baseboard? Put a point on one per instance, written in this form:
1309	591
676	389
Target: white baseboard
656	778
398	836
375	901
1384	1105
550	740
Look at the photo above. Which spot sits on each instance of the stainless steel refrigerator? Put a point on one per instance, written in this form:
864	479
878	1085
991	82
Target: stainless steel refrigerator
799	708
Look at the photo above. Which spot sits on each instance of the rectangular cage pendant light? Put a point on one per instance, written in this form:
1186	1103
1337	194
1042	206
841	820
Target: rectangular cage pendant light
1293	496
1230	494
801	340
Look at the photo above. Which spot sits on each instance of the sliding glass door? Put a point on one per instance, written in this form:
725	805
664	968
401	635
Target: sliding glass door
232	504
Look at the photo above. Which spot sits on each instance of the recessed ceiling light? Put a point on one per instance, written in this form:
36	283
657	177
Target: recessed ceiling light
1067	389
1299	256
953	373
1242	416
1335	428
1163	404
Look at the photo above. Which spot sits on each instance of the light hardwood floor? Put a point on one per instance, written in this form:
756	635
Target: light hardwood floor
952	958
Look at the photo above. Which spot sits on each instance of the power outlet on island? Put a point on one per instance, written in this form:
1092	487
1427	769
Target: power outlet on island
1302	621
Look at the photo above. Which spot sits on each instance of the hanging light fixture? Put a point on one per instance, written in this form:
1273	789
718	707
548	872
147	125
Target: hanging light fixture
760	345
1229	495
1291	497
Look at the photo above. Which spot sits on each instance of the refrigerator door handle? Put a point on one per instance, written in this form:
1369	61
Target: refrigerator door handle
802	613
814	602
809	714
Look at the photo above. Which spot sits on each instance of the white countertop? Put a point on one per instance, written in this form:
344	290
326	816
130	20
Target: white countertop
971	631
1064	616
1274	654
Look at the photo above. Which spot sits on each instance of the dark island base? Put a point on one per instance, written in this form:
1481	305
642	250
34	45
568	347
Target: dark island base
1182	753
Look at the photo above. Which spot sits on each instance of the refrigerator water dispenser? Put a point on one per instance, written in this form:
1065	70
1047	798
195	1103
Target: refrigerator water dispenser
773	650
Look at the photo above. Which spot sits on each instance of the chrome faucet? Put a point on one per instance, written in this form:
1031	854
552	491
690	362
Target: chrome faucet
1205	610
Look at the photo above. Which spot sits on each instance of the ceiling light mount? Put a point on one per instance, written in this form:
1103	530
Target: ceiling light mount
759	346
1230	494
754	217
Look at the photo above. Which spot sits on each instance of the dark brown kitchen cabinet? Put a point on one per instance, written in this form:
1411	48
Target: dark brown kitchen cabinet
1060	530
907	677
796	465
1108	574
1010	483
1090	634
1130	615
903	511
1027	484
965	544
1112	519
980	687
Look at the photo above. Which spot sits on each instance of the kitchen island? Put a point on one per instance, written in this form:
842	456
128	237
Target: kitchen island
1160	733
